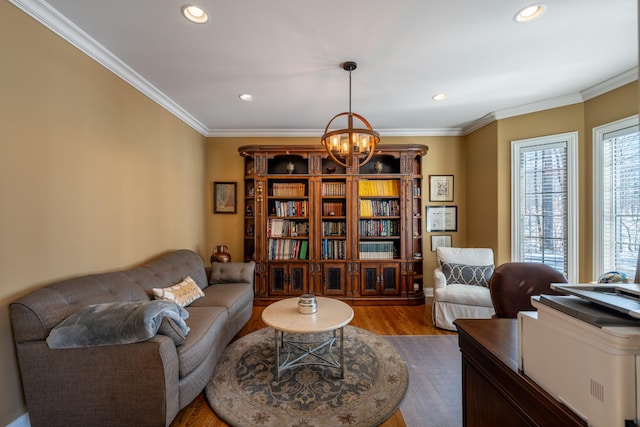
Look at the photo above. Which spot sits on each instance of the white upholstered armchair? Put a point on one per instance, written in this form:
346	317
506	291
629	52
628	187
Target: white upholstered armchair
462	285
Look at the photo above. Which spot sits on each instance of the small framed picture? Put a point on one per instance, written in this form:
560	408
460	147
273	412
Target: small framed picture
440	241
441	188
442	218
224	197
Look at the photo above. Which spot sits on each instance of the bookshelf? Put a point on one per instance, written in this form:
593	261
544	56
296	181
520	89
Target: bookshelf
313	226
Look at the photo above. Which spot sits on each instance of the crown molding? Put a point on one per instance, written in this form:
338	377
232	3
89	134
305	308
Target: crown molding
316	133
42	12
533	107
608	85
481	122
547	104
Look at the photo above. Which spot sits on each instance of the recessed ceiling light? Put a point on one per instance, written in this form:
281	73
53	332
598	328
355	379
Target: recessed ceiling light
194	13
439	97
245	97
530	12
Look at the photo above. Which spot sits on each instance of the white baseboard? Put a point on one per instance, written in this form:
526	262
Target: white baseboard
21	421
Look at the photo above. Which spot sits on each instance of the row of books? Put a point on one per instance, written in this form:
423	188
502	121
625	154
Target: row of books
334	228
379	227
379	187
332	208
286	249
379	208
333	249
288	189
416	191
376	250
287	228
334	189
289	208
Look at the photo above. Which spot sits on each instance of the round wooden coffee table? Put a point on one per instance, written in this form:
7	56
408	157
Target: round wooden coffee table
283	316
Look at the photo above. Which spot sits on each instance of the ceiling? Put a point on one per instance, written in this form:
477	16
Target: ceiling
288	55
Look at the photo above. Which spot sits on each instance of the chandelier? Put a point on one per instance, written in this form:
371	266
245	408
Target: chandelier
350	146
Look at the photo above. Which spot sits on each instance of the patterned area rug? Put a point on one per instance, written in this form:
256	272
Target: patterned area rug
244	391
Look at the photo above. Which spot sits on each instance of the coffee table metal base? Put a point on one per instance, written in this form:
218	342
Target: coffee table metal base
291	353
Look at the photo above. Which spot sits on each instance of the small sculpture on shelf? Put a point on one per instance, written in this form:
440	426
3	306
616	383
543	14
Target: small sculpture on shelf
377	166
290	168
249	211
331	169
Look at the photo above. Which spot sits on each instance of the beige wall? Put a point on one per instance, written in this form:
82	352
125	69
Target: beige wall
446	156
489	211
482	183
94	176
547	122
615	105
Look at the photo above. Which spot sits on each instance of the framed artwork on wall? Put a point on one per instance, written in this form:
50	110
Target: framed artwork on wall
224	197
441	188
443	240
442	218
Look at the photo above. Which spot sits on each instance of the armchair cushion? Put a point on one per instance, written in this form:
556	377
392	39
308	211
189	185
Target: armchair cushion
477	275
468	256
453	297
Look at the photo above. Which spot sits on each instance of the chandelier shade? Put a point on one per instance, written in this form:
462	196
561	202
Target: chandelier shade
351	145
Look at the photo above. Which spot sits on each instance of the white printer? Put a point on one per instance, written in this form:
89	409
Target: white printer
584	349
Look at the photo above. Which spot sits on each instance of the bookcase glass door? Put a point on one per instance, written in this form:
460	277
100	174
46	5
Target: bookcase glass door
334	279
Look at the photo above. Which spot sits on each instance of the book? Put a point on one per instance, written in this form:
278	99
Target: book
303	249
277	227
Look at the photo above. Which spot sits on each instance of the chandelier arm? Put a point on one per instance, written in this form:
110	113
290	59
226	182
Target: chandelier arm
366	160
335	159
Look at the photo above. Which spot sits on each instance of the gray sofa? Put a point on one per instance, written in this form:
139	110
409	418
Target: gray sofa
144	383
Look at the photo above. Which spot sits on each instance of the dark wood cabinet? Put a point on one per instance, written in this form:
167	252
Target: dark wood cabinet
334	278
288	279
350	233
379	278
494	392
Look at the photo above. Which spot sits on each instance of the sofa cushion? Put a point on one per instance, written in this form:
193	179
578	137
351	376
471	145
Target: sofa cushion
233	296
477	275
206	325
115	323
464	294
183	293
232	272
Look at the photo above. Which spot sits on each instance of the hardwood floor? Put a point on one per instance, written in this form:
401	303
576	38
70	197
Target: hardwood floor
382	320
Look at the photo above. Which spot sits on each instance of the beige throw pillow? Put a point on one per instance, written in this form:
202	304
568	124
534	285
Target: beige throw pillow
183	293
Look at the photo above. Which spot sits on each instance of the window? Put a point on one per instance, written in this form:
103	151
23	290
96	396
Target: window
544	202
616	197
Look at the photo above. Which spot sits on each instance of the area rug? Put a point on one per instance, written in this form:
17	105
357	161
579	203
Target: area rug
434	396
244	392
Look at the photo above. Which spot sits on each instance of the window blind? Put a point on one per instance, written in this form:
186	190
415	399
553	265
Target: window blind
621	199
543	205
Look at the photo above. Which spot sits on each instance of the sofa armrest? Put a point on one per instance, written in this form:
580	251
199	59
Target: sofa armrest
132	384
441	281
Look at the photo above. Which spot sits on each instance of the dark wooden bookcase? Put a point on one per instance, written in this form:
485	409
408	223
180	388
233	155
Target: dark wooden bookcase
313	226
